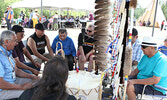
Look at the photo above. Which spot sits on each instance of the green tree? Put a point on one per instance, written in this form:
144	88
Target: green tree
139	11
164	9
4	4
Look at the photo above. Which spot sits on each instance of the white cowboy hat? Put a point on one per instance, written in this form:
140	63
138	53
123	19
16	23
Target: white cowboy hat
149	41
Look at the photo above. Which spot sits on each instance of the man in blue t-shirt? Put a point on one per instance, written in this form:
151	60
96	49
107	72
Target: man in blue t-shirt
13	81
163	48
150	71
68	47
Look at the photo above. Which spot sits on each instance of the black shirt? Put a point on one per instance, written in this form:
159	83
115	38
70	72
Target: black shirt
87	43
27	95
40	44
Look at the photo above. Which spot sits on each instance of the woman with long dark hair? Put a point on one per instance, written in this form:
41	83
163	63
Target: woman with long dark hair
52	84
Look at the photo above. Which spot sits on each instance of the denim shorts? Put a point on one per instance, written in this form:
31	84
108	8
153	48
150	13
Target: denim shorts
149	90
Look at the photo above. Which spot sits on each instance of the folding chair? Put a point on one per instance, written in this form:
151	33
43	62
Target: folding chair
154	97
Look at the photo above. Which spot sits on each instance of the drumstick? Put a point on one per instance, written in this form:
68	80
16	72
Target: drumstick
77	69
100	88
93	57
125	85
128	51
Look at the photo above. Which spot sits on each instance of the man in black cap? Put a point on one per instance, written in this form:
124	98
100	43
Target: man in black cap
19	52
36	44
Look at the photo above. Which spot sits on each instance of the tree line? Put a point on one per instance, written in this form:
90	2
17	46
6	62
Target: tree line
5	3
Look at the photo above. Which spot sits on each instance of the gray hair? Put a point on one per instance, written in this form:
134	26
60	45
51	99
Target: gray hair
91	25
6	35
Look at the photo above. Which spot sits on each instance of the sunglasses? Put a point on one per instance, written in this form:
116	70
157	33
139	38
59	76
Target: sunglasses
144	47
89	31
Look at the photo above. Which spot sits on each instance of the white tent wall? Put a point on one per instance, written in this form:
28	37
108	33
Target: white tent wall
150	13
160	16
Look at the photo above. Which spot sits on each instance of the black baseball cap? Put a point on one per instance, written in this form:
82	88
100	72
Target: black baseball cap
17	28
40	26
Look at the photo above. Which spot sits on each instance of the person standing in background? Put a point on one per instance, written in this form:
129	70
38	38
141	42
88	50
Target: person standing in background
91	17
30	19
162	25
35	18
55	21
9	18
22	16
6	12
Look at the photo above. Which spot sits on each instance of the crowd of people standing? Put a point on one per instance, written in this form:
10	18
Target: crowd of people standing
52	22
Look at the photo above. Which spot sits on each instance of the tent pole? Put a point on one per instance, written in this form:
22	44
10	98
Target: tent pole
155	18
68	13
59	18
41	12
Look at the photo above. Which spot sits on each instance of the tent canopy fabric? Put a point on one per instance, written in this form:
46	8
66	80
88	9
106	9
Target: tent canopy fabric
61	4
25	4
150	13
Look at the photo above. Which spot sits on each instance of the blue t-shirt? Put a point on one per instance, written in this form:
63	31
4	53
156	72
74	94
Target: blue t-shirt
163	49
31	15
5	66
154	66
9	14
68	46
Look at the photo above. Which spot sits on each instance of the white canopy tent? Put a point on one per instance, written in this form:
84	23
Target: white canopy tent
26	4
62	4
87	5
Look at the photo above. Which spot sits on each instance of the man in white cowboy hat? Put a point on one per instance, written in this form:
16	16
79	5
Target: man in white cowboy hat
150	71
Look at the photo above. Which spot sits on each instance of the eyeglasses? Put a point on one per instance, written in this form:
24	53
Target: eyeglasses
16	41
144	47
89	31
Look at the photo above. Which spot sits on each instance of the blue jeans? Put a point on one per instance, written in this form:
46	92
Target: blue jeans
29	65
32	66
29	23
8	24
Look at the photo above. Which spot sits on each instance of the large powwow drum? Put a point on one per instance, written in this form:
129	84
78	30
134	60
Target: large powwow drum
83	85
